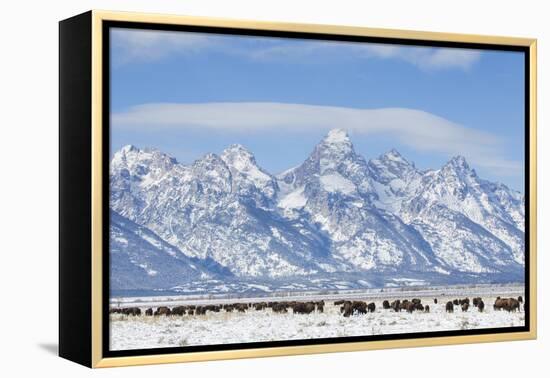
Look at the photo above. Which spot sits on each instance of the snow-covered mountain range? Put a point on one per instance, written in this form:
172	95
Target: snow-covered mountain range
336	221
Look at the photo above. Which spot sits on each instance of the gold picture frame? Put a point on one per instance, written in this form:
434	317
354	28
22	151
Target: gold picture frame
92	355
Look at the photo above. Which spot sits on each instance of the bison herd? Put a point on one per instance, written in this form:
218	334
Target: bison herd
347	308
508	304
412	305
278	307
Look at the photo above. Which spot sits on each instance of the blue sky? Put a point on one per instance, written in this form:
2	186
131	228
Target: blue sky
188	94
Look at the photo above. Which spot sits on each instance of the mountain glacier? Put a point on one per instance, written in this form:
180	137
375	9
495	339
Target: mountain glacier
336	221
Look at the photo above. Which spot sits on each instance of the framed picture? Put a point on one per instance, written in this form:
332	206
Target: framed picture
236	189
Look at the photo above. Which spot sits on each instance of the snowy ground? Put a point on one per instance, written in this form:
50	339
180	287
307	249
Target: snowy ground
129	332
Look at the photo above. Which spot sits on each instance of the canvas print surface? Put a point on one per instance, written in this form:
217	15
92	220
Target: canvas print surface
271	189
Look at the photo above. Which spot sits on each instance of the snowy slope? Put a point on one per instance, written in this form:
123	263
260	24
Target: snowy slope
140	259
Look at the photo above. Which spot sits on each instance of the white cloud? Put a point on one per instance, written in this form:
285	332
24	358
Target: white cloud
417	129
429	58
426	58
146	45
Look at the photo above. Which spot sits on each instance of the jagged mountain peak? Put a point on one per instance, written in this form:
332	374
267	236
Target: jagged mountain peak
458	163
140	162
337	142
393	160
237	149
238	156
337	136
129	148
390	166
394	156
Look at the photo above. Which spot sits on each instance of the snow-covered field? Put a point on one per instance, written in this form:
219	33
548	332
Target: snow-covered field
128	332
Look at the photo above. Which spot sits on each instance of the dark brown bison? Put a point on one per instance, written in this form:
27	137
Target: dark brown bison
191	312
427	308
449	307
513	305
134	311
435	300
320	306
455	302
303	308
279	307
149	312
359	307
520	299
115	311
228	308
416	301
475	301
465	307
396	305
213	308
346	309
339	302
241	307
371	307
508	304
410	307
386	305
162	310
465	300
480	305
178	310
260	306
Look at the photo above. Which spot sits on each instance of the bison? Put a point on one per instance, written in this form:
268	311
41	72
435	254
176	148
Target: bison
480	305
179	310
134	311
303	308
465	300
371	307
465	306
427	308
396	305
455	302
359	307
346	309
241	307
386	305
279	307
149	312
435	300
163	310
508	304
475	301
320	306
449	307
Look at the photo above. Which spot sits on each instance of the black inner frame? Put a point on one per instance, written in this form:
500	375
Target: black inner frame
107	25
